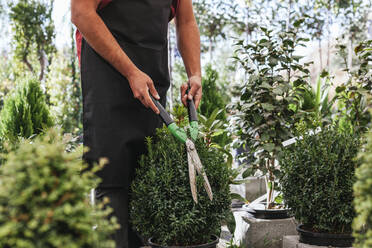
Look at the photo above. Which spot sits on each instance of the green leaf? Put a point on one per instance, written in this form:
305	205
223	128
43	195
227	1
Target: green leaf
248	172
278	91
231	223
267	106
298	22
269	147
340	89
324	74
238	197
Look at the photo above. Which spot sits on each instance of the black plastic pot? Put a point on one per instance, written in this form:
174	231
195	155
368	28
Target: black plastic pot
212	244
324	239
268	214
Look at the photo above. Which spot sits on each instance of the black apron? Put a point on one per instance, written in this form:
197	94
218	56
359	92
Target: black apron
115	123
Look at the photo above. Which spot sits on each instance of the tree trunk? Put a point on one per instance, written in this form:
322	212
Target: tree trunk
27	63
42	64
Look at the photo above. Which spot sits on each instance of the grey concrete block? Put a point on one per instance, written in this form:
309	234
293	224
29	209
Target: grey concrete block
292	241
255	188
267	233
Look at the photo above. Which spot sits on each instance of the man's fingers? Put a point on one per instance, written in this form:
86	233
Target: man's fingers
194	89
184	88
142	100
197	99
153	91
151	104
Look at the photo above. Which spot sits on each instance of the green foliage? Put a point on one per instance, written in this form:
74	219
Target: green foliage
314	107
212	97
213	102
232	245
352	97
33	32
25	112
213	18
161	202
44	199
362	224
179	113
211	127
264	117
64	91
317	180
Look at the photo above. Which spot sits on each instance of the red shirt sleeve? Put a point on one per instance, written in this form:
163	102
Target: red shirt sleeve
174	7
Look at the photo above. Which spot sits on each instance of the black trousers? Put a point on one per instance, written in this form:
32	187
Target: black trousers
125	237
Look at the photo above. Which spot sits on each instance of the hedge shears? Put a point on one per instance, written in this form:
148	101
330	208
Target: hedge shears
194	163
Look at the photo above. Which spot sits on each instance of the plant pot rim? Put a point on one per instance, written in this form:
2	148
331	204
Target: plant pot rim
210	244
268	214
249	207
300	229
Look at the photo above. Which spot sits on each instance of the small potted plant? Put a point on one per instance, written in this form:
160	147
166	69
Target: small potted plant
318	173
162	209
264	118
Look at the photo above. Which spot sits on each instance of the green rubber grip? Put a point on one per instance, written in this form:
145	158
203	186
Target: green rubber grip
179	133
194	130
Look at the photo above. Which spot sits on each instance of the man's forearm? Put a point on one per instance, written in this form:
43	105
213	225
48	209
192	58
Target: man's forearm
188	37
100	38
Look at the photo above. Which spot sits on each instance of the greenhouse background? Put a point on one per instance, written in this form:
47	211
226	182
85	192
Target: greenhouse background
284	132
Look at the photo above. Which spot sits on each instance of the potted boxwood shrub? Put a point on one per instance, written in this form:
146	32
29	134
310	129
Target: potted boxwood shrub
318	173
162	208
362	224
264	117
44	199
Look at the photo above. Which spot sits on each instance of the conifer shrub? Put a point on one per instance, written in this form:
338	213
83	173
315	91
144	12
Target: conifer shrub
212	97
44	199
161	202
362	224
212	101
25	112
317	177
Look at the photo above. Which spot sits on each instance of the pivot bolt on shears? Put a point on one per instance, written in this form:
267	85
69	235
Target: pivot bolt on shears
181	134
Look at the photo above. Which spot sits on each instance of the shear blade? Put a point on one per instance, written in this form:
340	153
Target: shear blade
193	158
192	176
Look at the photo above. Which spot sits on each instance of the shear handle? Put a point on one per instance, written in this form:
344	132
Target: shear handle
167	119
193	115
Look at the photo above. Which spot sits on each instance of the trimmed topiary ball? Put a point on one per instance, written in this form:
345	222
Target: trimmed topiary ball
318	173
162	206
362	224
44	199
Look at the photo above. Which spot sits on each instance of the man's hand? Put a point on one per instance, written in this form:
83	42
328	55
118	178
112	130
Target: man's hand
195	92
141	84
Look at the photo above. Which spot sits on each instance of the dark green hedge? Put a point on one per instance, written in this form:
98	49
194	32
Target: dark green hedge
162	206
317	180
